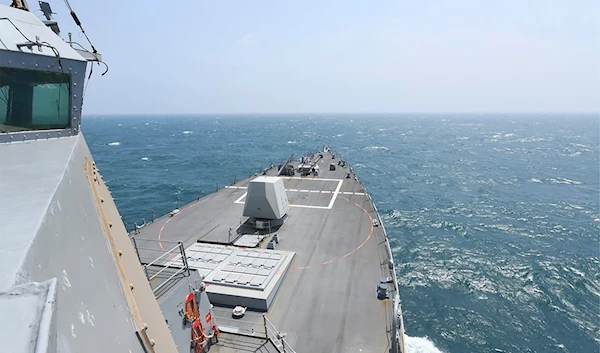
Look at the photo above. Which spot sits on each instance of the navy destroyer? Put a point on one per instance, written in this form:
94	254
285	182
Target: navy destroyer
292	259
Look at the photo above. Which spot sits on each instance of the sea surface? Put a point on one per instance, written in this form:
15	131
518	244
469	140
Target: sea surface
494	219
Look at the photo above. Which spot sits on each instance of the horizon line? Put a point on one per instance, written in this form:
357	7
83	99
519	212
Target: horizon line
336	113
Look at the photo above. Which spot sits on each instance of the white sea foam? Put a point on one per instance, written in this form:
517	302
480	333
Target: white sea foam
565	181
535	180
420	345
292	142
375	148
531	139
114	144
145	159
187	132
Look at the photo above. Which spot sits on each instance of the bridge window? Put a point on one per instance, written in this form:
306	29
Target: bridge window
33	100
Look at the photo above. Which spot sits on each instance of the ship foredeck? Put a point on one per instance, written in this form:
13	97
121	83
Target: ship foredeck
327	299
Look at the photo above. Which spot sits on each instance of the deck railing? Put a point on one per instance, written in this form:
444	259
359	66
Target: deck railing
160	264
278	338
398	343
252	325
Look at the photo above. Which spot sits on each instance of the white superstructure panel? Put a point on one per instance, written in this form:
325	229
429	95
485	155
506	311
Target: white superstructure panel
30	27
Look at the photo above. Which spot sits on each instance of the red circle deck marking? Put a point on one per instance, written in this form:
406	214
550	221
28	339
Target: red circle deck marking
351	252
181	210
161	230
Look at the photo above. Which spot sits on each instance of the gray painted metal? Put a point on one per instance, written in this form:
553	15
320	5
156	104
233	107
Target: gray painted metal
248	278
173	301
327	300
326	303
32	311
249	240
28	200
18	27
57	222
177	251
266	198
51	229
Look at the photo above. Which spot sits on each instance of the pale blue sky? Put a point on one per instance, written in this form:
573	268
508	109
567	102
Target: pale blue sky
342	56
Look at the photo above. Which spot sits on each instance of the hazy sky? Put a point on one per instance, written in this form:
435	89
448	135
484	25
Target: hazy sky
341	56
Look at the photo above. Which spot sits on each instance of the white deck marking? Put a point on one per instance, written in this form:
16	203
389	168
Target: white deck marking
310	179
239	201
241	198
335	194
235	187
315	207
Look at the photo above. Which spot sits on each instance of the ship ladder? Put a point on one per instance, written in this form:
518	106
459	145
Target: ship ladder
191	308
198	336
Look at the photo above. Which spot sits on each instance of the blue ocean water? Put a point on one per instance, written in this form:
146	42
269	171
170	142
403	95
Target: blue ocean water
494	219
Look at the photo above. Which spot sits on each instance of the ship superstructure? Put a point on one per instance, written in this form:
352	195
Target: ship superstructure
294	259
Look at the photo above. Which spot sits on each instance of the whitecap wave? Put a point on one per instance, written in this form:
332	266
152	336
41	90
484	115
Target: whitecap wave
420	345
375	148
114	143
292	142
145	159
535	180
187	132
531	139
565	181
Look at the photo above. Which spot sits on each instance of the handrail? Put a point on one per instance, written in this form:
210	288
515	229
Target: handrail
181	270
398	306
278	338
161	256
184	268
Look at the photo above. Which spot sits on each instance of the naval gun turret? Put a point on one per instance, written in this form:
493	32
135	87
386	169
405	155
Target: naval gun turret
266	202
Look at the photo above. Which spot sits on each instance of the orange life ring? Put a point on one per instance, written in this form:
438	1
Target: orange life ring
191	308
198	336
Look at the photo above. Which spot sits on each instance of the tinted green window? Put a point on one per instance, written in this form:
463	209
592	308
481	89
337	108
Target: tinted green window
33	100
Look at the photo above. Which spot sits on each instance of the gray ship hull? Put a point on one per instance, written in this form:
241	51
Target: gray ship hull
327	299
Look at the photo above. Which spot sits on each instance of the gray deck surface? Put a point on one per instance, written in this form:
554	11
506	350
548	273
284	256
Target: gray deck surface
327	301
